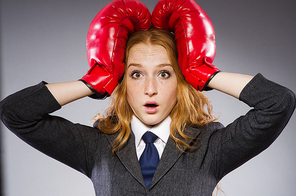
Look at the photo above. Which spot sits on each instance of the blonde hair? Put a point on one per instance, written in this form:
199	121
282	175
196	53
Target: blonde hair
192	107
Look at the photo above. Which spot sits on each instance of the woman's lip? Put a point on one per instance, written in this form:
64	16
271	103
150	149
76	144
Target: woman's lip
151	107
151	103
151	110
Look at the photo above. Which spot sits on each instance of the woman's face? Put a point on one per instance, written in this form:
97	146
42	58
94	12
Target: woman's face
151	83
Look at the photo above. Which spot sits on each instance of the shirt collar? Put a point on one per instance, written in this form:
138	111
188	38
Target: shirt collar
162	130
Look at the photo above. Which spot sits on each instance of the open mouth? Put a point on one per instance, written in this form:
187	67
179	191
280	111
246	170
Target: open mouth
151	107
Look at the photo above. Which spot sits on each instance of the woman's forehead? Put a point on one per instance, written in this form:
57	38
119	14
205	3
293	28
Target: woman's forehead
147	47
140	52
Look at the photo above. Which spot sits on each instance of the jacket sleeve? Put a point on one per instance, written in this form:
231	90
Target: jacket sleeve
26	114
272	106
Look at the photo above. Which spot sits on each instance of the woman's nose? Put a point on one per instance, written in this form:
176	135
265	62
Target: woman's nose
150	87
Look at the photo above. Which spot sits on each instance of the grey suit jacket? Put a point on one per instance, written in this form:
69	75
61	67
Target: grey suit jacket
194	172
176	174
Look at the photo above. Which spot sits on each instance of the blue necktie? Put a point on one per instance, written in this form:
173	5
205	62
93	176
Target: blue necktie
149	158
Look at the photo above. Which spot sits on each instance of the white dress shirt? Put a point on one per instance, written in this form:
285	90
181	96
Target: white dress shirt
162	131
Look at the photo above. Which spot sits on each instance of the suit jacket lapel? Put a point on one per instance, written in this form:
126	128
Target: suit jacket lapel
128	157
170	156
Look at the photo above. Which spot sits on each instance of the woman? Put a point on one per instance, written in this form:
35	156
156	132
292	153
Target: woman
88	150
195	153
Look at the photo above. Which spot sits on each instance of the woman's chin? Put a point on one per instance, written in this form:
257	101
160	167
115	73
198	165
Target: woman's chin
151	120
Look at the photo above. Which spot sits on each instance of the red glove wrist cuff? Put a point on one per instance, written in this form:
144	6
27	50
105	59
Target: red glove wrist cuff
101	82
199	76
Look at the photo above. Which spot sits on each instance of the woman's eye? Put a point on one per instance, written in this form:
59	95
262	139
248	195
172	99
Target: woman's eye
164	74
136	74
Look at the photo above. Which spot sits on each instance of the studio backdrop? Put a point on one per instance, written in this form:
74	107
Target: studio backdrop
45	41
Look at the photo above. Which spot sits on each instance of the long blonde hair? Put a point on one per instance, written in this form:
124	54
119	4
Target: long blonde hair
192	107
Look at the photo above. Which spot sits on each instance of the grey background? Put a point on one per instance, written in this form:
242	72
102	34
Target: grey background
45	40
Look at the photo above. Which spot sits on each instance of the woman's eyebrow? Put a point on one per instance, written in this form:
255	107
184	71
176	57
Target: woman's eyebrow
135	65
140	65
164	65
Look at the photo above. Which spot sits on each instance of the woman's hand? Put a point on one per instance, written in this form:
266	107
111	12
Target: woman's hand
195	38
230	83
67	92
106	40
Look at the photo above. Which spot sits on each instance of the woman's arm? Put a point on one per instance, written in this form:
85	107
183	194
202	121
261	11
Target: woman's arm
272	106
230	83
67	92
27	114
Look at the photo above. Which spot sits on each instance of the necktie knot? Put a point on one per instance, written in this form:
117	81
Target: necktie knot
149	137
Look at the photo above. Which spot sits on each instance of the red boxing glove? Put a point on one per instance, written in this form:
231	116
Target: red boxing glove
195	37
106	41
